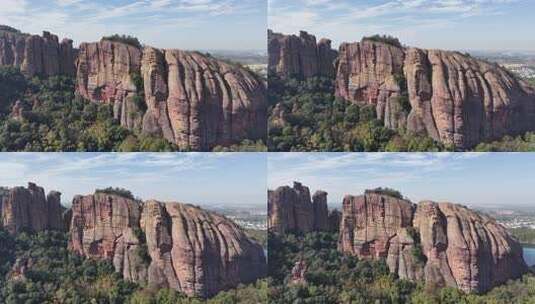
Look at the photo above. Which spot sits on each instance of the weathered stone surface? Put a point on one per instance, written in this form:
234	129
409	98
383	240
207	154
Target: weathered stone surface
444	244
198	102
376	226
103	226
335	217
292	210
321	211
465	249
194	101
29	209
37	55
198	252
189	249
104	73
454	98
300	56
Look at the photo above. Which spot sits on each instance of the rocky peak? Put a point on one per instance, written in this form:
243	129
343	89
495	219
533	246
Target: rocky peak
440	243
293	210
228	108
36	55
432	92
105	72
321	211
169	245
192	100
28	209
300	56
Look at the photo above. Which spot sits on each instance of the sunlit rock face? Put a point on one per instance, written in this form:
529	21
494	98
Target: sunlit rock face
291	209
442	244
37	55
165	245
300	56
452	97
28	209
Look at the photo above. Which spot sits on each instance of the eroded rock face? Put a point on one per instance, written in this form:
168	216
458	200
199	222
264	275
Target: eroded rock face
442	243
454	98
292	210
105	72
198	102
188	249
194	101
28	209
376	226
37	55
198	252
465	249
300	56
104	226
321	211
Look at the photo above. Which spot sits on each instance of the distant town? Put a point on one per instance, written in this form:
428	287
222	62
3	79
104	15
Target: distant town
248	217
520	63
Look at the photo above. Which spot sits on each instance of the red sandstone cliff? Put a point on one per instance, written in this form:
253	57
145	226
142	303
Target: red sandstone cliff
300	56
37	55
27	209
454	98
198	102
192	100
189	249
292	210
441	243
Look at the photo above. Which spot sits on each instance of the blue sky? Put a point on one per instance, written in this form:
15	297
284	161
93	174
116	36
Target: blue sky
210	179
473	179
444	24
183	24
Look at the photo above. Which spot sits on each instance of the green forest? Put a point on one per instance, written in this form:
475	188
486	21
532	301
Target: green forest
315	120
524	235
334	278
57	275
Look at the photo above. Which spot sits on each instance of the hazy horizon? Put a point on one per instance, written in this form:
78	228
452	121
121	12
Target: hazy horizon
179	24
473	179
490	25
205	179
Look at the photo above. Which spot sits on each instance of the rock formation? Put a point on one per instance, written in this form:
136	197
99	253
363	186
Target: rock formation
36	55
198	102
335	217
441	243
192	100
170	245
298	273
105	72
292	210
321	211
300	56
28	209
451	97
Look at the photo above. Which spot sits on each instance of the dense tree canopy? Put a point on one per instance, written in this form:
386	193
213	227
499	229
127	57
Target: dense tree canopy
130	40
